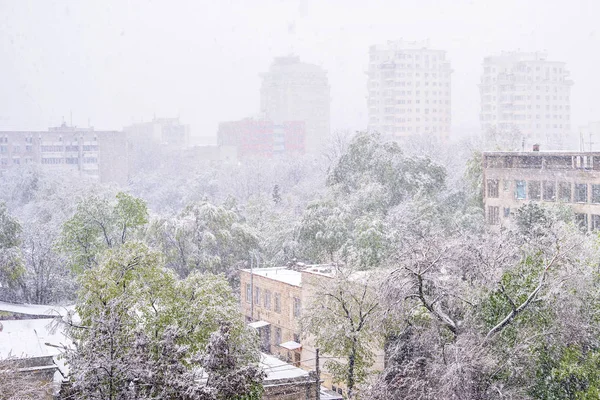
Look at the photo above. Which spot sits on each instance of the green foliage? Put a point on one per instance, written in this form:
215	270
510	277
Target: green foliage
99	224
369	161
152	298
11	264
569	372
474	177
206	238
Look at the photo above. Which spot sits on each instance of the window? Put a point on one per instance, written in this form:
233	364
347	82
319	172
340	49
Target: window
278	335
268	299
581	193
534	190
549	191
581	220
506	212
297	359
277	302
595	193
564	192
595	222
506	185
297	337
248	292
520	187
296	307
257	295
493	215
492	188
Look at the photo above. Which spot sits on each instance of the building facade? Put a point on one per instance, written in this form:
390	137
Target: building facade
409	90
154	142
525	98
263	138
512	179
273	300
100	155
296	91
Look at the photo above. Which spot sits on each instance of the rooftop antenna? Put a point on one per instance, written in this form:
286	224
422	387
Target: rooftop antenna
590	143
523	144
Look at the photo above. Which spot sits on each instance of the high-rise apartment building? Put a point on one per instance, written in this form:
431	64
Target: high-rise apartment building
297	91
409	90
525	99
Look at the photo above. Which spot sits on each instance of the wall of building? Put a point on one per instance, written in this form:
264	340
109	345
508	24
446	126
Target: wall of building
409	90
97	154
296	91
265	311
526	96
514	179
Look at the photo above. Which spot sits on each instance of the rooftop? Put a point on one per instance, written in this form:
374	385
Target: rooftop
281	274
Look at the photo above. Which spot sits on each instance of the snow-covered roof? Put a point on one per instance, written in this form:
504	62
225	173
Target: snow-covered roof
281	274
277	369
291	345
258	324
26	338
36	309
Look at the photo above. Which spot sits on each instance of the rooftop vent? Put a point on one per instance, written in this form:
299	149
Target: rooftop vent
536	147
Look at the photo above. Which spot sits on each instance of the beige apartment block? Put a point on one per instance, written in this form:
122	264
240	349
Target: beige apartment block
273	300
526	97
512	179
409	90
99	155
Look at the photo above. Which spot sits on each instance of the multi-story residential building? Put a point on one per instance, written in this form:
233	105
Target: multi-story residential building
512	179
273	301
98	154
151	143
409	91
298	91
263	138
525	97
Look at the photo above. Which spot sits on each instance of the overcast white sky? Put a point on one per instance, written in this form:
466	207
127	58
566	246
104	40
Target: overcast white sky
119	61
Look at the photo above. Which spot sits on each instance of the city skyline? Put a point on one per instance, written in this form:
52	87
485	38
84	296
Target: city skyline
120	75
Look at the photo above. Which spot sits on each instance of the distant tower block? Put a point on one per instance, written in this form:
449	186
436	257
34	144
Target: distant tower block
409	90
295	91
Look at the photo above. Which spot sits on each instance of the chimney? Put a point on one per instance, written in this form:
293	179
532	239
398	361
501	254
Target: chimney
536	147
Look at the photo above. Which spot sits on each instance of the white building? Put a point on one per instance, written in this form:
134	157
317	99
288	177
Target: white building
525	98
296	91
409	90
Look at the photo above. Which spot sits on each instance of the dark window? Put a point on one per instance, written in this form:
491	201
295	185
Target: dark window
277	335
296	307
297	337
595	193
492	188
268	299
506	212
257	295
277	302
581	195
493	215
581	220
248	292
549	190
564	192
520	189
595	222
534	190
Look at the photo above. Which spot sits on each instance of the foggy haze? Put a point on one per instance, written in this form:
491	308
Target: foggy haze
118	62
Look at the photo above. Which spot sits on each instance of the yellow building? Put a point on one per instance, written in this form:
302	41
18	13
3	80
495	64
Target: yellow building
512	179
273	300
